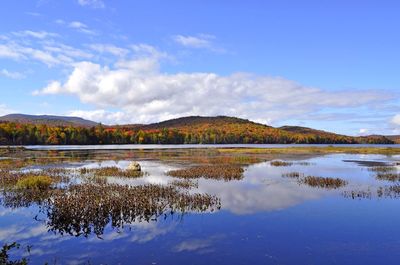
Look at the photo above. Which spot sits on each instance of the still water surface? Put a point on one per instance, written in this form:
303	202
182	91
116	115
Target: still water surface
192	146
264	218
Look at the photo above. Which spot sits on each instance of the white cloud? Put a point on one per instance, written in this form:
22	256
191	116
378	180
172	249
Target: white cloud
40	47
59	21
192	41
201	41
363	131
92	3
33	14
109	48
81	27
36	34
107	117
12	75
194	245
396	120
7	51
4	110
140	90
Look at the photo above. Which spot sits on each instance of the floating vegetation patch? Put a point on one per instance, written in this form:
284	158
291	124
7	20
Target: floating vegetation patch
293	175
389	191
185	183
304	163
323	182
111	172
358	194
209	172
279	163
29	179
388	176
88	208
382	169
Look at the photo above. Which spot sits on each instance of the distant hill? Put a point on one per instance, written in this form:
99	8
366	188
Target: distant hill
48	120
185	130
200	121
370	139
394	138
303	130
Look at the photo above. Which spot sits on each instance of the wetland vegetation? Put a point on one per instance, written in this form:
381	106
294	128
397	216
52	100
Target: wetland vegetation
92	199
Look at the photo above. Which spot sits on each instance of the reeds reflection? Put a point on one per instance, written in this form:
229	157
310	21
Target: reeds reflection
88	208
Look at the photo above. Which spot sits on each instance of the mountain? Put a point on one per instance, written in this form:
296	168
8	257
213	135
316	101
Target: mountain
233	130
185	130
48	120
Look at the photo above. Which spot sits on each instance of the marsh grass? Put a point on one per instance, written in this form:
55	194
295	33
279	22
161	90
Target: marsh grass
88	208
279	163
17	198
111	172
357	194
389	192
209	172
394	177
30	178
293	175
382	169
34	182
385	192
323	182
185	184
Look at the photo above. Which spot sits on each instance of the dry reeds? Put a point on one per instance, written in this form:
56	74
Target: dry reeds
388	176
185	184
382	169
111	172
88	208
293	175
209	172
279	163
323	182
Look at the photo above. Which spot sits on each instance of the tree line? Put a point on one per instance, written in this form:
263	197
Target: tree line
29	134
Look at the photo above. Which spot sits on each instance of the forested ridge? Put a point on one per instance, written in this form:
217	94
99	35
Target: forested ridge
187	130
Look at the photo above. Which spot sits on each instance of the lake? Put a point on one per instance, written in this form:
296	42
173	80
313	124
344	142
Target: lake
199	206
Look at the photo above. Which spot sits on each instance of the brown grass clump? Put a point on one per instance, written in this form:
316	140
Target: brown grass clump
9	179
209	172
111	172
388	176
293	175
383	169
88	208
278	163
185	184
322	182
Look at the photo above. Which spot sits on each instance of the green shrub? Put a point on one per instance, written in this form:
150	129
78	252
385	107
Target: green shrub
34	182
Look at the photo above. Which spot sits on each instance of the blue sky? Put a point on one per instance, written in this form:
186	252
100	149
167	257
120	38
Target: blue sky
330	65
